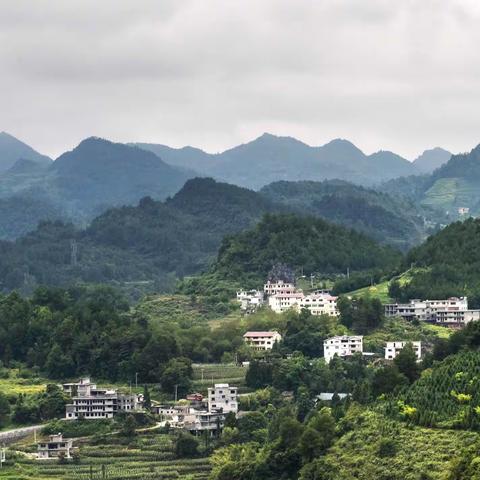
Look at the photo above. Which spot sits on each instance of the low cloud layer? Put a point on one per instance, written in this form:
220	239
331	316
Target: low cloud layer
402	76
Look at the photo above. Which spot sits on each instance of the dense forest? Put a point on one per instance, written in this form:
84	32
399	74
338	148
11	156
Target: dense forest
448	265
149	246
382	217
306	244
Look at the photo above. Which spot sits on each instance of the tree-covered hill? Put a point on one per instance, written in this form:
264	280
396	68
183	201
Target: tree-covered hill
307	243
152	243
91	178
384	218
451	261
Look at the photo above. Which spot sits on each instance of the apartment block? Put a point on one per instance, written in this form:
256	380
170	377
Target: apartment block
343	346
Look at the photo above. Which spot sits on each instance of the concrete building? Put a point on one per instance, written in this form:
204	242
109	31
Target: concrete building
197	421
262	340
455	318
452	312
54	447
250	300
223	398
278	287
392	349
281	302
91	402
343	346
320	304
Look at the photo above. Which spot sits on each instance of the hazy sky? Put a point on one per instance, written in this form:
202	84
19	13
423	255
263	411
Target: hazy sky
397	75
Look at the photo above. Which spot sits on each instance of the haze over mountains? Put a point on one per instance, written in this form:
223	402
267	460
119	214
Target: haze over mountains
12	150
270	158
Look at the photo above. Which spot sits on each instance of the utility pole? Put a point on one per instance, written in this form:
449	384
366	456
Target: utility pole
73	252
176	393
136	379
348	272
202	374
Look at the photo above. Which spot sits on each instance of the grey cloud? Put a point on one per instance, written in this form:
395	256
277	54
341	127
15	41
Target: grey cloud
402	76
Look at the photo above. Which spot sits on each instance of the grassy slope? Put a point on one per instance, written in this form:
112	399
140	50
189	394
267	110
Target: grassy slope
419	450
380	290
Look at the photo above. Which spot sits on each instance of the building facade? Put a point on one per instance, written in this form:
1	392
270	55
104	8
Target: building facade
91	402
452	312
278	287
223	398
282	302
320	304
250	299
54	447
343	346
392	349
262	340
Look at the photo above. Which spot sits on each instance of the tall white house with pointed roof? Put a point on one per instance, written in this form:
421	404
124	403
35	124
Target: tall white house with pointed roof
262	340
343	346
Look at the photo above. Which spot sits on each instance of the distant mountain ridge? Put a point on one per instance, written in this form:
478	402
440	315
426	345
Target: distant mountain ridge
93	177
432	159
12	150
271	158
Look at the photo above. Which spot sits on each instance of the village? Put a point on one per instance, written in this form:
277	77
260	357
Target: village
199	414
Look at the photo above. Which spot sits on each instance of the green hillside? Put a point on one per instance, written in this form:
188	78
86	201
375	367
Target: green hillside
306	243
449	263
385	218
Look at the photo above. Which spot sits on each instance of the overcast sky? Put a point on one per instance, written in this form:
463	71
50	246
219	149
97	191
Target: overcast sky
397	75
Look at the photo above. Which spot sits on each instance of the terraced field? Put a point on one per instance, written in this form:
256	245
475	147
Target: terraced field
450	193
147	457
218	373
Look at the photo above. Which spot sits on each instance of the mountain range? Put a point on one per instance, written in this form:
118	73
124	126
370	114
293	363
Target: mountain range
99	174
271	158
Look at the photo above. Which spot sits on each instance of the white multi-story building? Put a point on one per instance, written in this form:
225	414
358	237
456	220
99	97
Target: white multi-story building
278	287
452	312
54	447
319	304
91	402
250	299
343	346
281	302
262	340
392	349
223	398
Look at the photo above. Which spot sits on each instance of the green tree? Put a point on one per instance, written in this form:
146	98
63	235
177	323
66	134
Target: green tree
186	445
147	403
129	427
406	362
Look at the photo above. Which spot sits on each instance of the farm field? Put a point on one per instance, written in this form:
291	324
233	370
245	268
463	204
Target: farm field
147	456
217	373
13	383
